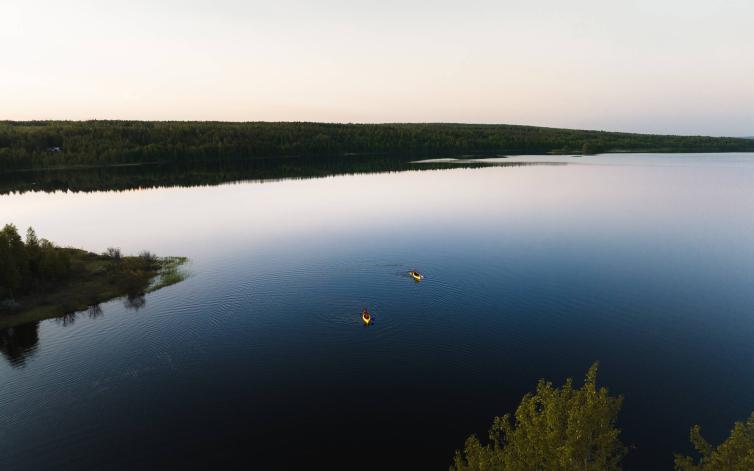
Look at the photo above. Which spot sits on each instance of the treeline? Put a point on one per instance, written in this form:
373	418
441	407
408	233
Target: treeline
45	144
26	265
570	429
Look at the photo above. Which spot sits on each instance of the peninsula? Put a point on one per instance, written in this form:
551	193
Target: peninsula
39	280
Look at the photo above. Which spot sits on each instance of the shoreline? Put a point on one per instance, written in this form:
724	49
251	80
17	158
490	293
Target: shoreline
57	144
97	279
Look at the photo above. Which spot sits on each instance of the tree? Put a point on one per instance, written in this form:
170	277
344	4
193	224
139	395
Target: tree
7	268
113	252
556	429
13	258
25	267
736	453
54	263
33	251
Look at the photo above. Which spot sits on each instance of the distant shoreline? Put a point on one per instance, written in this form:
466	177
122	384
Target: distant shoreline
36	145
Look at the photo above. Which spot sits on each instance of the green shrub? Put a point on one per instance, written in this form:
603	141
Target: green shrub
736	453
555	429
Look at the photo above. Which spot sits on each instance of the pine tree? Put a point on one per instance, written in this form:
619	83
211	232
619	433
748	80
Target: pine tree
14	261
33	252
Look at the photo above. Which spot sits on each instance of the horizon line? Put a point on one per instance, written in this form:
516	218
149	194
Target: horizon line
361	123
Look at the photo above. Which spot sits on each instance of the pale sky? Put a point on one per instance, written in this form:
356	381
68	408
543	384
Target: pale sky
669	66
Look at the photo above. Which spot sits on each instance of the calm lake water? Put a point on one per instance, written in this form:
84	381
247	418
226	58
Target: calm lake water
643	262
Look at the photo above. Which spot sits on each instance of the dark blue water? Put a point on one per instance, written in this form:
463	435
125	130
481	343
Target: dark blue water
642	262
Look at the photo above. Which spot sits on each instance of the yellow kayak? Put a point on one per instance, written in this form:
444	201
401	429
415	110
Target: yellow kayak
416	275
366	317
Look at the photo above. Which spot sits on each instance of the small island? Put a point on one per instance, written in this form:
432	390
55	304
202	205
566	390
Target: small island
39	280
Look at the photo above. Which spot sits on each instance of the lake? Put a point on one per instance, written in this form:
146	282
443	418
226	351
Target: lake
642	262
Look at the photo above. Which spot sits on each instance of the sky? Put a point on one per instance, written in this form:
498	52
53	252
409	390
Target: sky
661	66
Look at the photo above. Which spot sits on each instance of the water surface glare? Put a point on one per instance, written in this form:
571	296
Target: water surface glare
643	262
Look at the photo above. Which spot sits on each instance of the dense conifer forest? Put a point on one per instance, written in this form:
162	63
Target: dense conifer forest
50	144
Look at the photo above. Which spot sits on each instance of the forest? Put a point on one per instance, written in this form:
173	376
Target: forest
55	144
26	266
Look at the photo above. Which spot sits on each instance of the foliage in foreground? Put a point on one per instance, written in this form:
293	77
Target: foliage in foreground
736	453
554	429
567	429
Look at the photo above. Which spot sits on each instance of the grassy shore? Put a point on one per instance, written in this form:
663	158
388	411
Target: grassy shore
93	279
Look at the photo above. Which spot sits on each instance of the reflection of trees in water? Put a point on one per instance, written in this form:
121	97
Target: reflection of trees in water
135	301
92	312
19	343
217	173
66	319
95	312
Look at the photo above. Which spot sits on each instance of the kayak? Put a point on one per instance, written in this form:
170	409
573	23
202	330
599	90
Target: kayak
416	275
366	317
